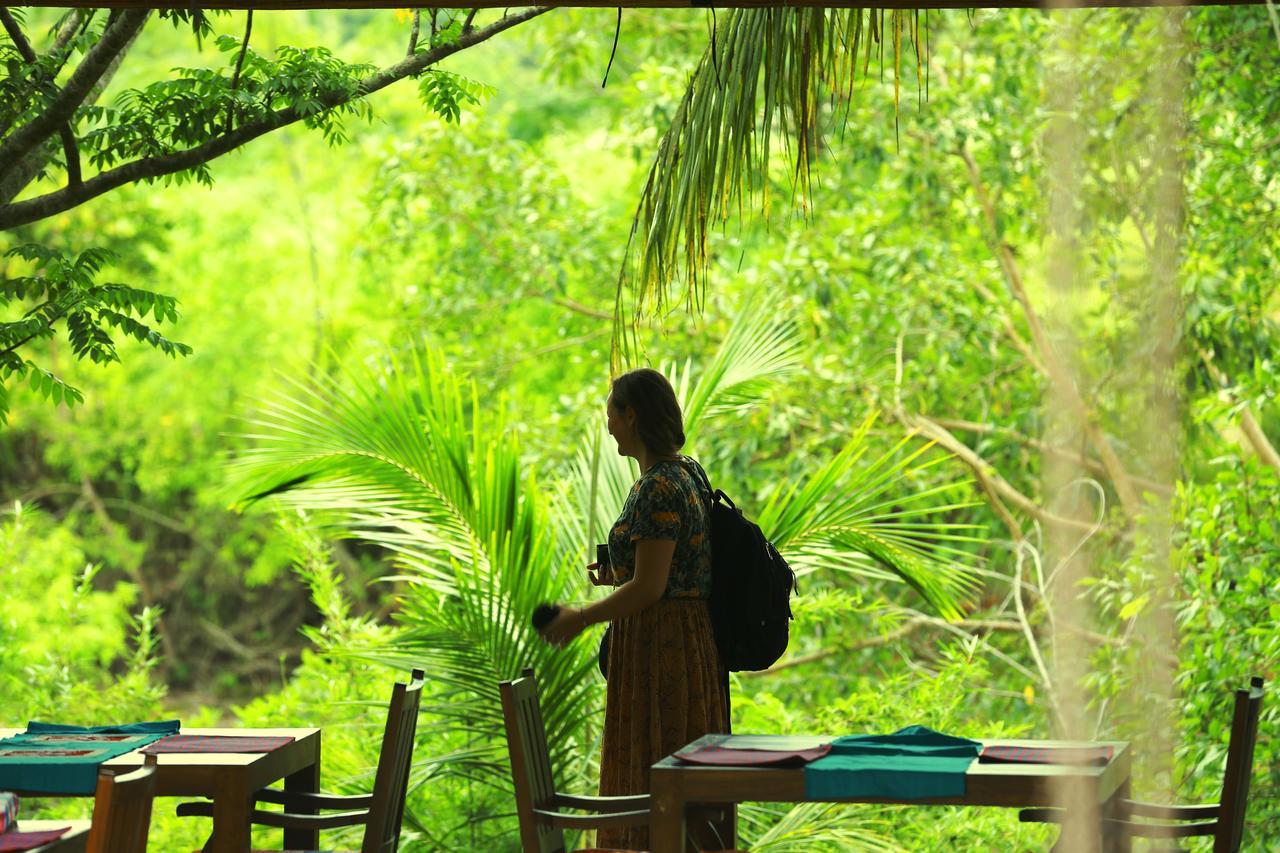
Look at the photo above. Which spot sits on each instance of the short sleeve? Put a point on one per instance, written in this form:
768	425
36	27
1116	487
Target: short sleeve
658	510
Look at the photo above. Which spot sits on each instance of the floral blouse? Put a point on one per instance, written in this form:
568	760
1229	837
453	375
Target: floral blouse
666	503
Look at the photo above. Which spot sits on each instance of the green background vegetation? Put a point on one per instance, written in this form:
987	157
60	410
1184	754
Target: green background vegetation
440	294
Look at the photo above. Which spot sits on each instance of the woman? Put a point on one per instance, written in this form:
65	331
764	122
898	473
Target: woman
665	685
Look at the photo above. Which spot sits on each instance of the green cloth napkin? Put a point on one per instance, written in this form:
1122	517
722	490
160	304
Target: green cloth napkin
52	758
913	763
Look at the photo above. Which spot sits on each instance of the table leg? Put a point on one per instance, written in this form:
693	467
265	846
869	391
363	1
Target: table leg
666	815
1113	841
231	813
710	826
1081	830
306	780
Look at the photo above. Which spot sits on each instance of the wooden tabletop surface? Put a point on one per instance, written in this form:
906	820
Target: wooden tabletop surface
1011	785
230	780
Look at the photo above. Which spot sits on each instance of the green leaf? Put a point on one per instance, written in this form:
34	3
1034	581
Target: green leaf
1132	608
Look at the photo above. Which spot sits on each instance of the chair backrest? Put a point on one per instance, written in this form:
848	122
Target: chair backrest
530	763
1235	782
391	784
122	810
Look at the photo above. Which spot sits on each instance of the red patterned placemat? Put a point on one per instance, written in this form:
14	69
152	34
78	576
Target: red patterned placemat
11	842
217	743
1074	755
730	757
37	739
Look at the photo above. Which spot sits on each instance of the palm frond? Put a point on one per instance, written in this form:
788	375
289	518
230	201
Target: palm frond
862	518
403	456
769	72
811	826
590	493
761	347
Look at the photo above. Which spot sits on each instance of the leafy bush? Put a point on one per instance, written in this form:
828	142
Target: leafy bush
73	652
1229	630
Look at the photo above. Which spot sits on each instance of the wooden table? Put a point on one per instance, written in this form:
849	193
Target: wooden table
675	784
230	780
71	842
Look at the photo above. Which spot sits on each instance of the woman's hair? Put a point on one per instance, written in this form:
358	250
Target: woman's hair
658	419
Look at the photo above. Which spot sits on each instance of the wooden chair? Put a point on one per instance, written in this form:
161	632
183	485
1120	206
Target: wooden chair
122	810
1224	820
381	812
538	806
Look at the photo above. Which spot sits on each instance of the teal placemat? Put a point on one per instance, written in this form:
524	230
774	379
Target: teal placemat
911	764
50	758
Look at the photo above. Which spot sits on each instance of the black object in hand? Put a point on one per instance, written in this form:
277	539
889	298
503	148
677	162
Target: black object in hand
543	614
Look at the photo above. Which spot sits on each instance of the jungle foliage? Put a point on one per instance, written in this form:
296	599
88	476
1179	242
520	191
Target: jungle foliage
385	443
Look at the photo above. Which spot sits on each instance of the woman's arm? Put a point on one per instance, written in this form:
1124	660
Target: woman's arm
653	565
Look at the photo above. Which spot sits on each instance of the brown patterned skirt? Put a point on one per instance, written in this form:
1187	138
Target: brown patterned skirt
665	690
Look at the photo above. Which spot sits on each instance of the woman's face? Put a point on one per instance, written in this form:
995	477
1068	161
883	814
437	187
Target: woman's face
622	426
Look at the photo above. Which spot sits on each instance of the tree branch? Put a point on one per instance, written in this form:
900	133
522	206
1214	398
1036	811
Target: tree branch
578	307
31	210
913	625
145	590
413	33
235	75
15	33
36	160
50	318
1248	423
68	31
114	39
1055	371
1091	464
904	630
1009	331
35	81
70	151
989	477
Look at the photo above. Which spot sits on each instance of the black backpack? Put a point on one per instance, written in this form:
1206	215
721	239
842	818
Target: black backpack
751	587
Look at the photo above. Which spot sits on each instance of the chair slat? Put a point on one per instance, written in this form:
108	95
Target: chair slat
1227	827
122	810
526	767
1239	771
537	802
391	781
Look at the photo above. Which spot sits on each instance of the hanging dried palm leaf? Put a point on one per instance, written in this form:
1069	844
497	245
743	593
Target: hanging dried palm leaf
764	75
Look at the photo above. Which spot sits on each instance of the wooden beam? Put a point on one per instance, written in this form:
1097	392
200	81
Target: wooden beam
630	4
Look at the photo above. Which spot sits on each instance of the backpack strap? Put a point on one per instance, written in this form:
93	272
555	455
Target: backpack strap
699	474
711	495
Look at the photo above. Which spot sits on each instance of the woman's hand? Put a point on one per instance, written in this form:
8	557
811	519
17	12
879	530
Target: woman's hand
569	623
645	587
600	575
